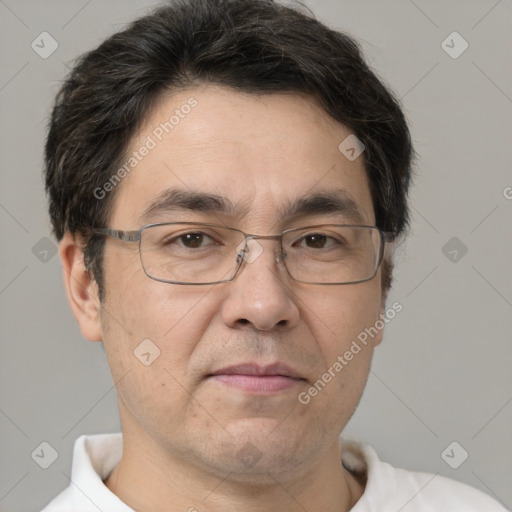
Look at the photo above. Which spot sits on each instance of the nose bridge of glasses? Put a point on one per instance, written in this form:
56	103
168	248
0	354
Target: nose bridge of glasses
250	248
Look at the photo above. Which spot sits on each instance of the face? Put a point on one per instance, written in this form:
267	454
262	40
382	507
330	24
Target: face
261	153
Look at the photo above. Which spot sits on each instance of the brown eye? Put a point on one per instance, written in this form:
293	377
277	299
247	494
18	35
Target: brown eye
192	240
317	241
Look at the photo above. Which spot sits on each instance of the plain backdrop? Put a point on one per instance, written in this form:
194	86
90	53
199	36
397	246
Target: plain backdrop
442	374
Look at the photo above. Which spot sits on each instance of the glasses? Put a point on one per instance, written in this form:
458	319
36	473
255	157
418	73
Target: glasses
202	253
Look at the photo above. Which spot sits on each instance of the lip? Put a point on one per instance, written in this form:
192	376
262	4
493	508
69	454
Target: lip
256	378
274	369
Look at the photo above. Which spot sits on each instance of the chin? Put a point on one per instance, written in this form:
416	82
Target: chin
256	449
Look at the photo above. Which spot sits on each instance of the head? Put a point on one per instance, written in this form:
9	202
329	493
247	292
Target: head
247	101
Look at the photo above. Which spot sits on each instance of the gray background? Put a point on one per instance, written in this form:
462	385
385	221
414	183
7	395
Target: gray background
442	373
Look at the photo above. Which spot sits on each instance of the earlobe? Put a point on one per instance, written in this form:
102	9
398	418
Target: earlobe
81	289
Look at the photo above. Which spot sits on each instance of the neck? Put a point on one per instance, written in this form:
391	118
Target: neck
151	478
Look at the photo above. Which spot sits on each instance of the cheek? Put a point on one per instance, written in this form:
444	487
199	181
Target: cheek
150	332
149	340
339	315
142	308
339	319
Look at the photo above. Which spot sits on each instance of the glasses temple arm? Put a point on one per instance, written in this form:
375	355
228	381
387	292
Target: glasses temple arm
125	236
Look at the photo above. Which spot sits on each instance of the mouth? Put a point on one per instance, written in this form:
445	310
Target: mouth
259	379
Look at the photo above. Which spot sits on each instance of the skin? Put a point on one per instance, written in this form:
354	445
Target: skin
182	431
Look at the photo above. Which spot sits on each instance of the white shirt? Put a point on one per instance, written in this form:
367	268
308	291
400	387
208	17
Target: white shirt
388	489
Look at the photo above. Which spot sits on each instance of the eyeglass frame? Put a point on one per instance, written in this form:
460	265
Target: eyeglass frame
136	236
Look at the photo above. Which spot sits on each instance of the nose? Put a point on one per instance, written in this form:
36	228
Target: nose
261	294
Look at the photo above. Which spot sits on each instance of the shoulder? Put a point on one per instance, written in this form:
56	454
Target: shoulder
389	488
94	457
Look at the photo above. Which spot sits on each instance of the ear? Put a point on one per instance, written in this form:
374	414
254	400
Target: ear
82	290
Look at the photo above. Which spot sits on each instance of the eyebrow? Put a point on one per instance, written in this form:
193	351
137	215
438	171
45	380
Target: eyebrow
332	202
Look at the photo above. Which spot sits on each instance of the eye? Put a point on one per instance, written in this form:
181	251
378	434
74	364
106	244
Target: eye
317	241
189	240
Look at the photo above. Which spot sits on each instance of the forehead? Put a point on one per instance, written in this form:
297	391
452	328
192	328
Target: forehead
259	152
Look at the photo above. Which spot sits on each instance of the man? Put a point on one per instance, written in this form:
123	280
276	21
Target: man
227	180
